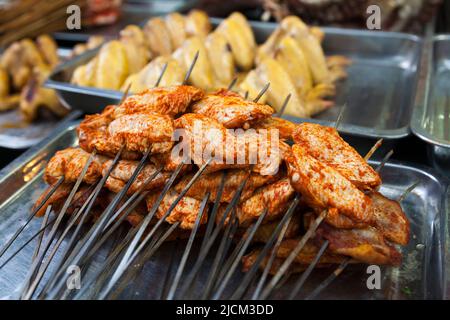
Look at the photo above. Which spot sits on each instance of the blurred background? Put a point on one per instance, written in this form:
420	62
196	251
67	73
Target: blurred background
20	18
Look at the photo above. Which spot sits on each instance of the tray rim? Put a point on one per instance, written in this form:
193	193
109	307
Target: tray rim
360	131
423	98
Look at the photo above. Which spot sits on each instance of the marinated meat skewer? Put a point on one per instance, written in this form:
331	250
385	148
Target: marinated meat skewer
275	198
234	177
231	109
136	132
302	260
123	171
365	245
69	163
325	144
324	187
169	101
186	210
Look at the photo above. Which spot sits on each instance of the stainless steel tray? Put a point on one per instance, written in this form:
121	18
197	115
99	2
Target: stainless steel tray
379	91
421	276
15	136
431	117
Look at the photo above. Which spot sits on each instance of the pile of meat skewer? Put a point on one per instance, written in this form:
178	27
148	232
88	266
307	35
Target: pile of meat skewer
307	160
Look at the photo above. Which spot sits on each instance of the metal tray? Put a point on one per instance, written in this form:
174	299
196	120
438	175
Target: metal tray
379	91
15	136
421	276
431	117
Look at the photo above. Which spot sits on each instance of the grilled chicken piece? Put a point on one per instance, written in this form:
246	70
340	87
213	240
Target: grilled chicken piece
221	57
69	163
197	24
233	179
202	75
112	66
92	43
340	221
149	75
389	219
325	144
169	161
48	49
240	37
86	75
231	109
274	197
9	102
264	149
176	25
281	85
158	37
291	57
204	137
136	48
163	100
93	134
123	171
140	132
365	245
301	262
4	83
265	231
324	187
34	97
311	47
185	211
61	193
285	127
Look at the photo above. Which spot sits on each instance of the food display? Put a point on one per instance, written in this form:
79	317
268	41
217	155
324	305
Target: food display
226	159
307	161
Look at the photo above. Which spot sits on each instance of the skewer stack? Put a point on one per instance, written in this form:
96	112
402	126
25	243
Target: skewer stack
122	174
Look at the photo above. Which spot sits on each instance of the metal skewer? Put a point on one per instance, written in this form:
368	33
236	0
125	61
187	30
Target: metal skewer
31	217
272	257
240	250
284	105
373	149
52	233
286	264
383	162
163	71
185	256
242	288
232	84
261	93
191	67
86	243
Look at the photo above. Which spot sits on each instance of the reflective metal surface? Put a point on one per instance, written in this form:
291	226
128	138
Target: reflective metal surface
379	91
421	275
431	117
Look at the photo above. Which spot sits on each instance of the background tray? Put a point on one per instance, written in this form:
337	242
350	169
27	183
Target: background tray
379	91
16	135
421	276
431	117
